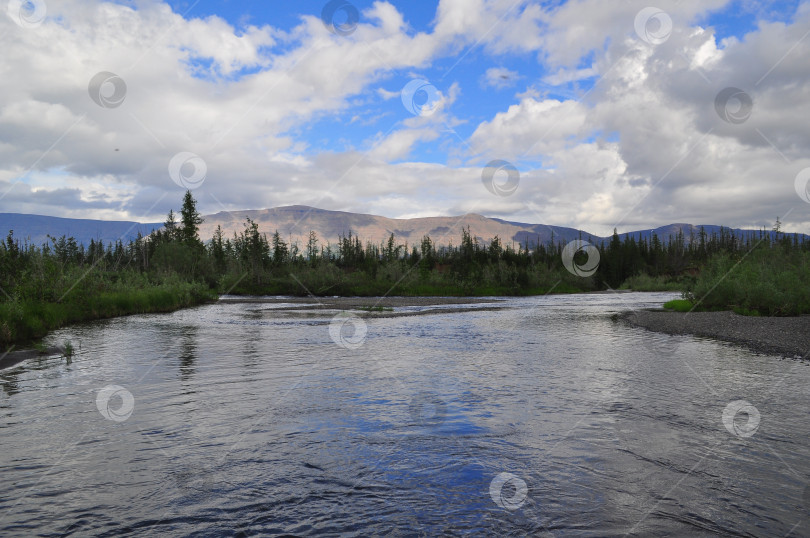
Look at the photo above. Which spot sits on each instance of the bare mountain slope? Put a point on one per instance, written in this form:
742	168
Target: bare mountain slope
295	222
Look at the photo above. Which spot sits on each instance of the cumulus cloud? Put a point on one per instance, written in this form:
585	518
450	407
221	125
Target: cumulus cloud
675	159
531	128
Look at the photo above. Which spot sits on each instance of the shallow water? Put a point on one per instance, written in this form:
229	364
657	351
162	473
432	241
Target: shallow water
248	420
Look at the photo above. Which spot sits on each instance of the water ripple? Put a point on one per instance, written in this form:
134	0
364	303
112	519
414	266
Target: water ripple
249	420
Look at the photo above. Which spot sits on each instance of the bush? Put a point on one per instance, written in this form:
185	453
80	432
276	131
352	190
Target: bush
645	282
769	281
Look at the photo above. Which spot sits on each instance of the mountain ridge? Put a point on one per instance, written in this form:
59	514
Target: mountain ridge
294	223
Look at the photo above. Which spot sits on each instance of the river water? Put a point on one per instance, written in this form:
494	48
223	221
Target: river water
543	418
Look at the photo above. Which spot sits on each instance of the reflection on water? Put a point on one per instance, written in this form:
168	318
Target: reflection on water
188	352
8	380
544	418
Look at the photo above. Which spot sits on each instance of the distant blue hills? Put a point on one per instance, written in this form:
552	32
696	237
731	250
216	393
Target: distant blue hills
542	232
295	222
34	229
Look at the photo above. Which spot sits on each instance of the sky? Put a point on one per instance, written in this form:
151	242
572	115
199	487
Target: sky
592	114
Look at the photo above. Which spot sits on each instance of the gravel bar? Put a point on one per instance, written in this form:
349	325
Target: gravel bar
788	336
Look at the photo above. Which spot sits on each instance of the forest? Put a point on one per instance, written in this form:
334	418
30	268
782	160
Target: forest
46	286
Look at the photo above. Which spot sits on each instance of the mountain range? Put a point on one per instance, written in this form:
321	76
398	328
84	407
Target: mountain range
295	222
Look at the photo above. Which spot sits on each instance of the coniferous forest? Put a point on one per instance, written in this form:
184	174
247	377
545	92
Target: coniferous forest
50	285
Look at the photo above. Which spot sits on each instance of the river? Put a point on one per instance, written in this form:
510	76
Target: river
544	418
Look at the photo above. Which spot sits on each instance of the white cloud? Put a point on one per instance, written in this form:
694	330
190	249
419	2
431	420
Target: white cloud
642	147
564	76
235	126
386	95
530	128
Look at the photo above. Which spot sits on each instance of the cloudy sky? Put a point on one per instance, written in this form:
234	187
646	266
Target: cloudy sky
597	114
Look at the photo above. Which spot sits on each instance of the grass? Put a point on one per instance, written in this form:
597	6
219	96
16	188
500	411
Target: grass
685	305
679	305
375	309
23	321
68	351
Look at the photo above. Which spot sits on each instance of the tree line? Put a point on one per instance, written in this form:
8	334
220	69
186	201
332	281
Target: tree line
251	262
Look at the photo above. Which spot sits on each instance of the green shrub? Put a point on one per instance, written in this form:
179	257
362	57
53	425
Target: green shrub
679	305
767	281
645	282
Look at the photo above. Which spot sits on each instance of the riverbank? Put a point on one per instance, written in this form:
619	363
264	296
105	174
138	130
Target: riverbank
786	336
24	322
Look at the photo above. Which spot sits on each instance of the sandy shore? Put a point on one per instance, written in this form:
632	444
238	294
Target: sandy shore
788	337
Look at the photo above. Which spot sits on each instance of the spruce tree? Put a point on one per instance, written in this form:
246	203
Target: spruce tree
190	219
